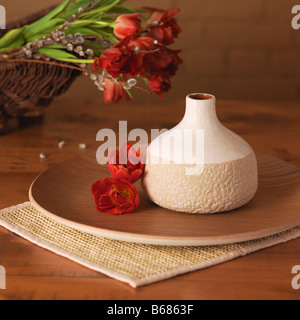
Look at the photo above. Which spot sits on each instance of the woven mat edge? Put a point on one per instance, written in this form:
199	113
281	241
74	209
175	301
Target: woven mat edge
242	251
64	253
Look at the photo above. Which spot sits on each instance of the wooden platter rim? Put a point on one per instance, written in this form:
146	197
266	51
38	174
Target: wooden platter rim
163	240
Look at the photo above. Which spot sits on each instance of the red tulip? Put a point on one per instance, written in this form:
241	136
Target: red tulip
118	59
139	47
144	56
159	84
112	60
126	164
163	26
115	196
142	43
164	61
114	92
128	25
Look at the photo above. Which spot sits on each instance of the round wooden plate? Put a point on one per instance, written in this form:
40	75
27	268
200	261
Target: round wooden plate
63	193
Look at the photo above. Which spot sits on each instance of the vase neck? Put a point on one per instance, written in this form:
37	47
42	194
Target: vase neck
200	111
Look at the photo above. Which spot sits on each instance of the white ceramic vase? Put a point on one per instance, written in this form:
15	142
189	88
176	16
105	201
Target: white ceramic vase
200	166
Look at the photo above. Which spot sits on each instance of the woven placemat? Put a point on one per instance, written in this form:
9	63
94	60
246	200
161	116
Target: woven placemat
136	264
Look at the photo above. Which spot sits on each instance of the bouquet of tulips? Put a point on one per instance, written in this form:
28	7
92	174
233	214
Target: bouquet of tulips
116	46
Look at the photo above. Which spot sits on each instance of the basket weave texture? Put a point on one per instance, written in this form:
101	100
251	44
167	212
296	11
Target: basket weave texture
26	86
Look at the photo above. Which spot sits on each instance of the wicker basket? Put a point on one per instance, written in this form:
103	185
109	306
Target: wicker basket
29	87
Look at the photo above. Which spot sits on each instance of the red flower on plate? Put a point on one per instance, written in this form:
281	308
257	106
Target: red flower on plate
126	164
163	26
128	25
115	196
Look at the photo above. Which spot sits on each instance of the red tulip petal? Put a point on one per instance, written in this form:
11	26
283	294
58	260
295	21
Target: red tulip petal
109	91
135	175
113	157
106	201
102	185
119	172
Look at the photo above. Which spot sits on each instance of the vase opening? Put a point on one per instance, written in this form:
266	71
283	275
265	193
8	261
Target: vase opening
200	96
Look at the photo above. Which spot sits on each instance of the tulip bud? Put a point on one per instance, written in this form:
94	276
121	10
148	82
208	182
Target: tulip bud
128	25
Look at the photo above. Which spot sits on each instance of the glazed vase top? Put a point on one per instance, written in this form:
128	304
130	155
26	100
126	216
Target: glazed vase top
200	137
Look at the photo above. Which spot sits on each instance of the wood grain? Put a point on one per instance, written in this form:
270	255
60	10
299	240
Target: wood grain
63	193
34	273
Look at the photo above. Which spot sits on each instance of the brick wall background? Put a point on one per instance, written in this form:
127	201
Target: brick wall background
235	49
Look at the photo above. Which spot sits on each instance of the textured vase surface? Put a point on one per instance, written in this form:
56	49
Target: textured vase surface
200	166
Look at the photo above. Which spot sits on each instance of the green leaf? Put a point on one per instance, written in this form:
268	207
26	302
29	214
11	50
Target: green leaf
96	24
51	14
101	8
123	9
106	34
62	55
80	23
109	6
73	8
102	33
100	24
84	31
95	15
15	35
147	82
46	28
34	37
18	43
90	15
56	53
77	61
129	93
54	46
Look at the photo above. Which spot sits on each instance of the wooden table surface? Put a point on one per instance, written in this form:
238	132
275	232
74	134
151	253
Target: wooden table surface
35	273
